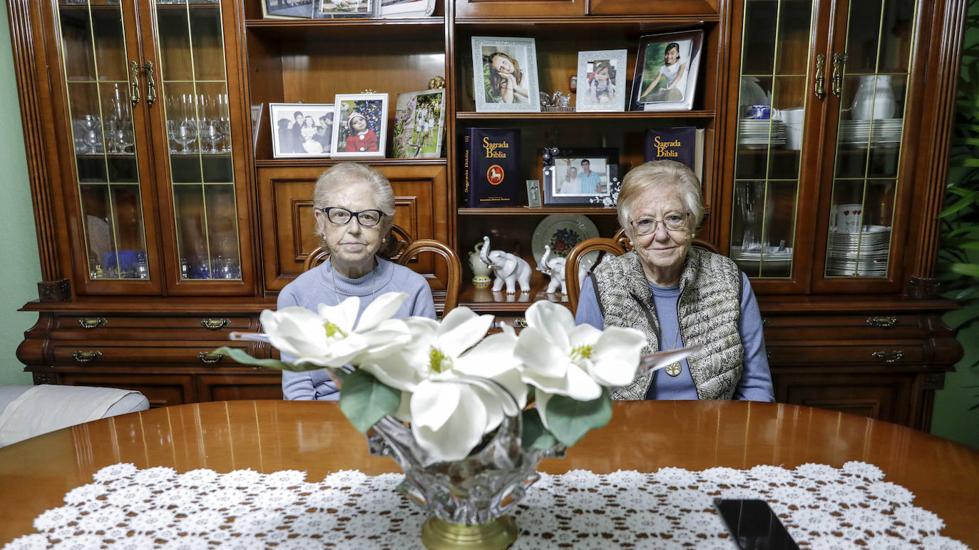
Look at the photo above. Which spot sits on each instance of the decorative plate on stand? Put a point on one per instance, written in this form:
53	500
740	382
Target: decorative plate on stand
561	232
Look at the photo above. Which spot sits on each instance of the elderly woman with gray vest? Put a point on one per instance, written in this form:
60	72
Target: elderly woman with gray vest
678	295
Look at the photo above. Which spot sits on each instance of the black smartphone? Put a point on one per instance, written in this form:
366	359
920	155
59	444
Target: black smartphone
754	525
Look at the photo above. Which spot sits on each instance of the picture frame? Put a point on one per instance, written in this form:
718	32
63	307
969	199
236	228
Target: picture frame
602	74
498	61
302	130
331	9
405	8
533	194
360	139
578	176
256	110
291	9
663	57
419	124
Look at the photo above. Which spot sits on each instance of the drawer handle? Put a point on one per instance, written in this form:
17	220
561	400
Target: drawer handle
889	356
92	322
882	322
86	356
214	323
209	357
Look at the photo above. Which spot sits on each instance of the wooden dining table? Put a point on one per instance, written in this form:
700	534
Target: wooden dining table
269	436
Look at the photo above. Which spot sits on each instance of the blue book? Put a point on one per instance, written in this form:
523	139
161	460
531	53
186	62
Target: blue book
491	167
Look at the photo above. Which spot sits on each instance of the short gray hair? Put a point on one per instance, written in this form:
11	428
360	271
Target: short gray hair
653	174
344	175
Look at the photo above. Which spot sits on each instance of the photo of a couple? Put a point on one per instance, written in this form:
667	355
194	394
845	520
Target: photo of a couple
301	130
577	177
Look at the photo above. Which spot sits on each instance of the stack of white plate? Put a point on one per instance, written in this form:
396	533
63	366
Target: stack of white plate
772	257
861	254
761	132
877	132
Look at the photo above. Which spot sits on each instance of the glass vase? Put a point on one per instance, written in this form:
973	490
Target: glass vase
466	501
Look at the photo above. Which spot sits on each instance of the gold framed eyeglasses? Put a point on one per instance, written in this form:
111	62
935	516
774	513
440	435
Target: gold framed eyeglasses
674	221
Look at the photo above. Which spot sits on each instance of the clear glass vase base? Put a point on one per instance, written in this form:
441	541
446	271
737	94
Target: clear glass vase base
497	534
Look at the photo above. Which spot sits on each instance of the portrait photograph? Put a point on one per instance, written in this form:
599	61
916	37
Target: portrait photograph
361	125
576	176
666	71
287	9
601	81
419	123
328	9
505	74
301	130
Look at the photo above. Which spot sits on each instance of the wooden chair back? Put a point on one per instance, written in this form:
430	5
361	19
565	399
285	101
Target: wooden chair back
393	246
619	244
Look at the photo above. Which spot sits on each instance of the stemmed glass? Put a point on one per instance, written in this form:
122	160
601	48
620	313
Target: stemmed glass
186	131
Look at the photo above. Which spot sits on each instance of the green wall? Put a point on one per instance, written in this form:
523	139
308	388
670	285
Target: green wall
20	268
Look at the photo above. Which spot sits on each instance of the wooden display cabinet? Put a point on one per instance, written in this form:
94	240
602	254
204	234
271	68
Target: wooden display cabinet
156	190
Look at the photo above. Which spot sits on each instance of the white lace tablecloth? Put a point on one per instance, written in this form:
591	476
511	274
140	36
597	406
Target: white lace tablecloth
821	506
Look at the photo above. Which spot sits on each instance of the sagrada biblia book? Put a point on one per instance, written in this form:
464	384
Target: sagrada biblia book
491	167
684	145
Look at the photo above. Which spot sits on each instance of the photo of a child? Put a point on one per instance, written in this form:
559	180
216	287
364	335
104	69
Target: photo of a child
503	78
505	74
361	120
666	71
601	81
670	81
418	123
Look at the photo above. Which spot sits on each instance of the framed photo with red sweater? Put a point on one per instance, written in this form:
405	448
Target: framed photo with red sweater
360	126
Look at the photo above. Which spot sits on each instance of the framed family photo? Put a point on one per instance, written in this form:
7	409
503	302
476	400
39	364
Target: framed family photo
505	74
577	176
601	81
287	9
666	71
419	124
327	9
361	126
301	130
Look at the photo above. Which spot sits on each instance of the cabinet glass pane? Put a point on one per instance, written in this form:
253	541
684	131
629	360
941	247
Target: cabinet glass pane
195	100
771	120
101	128
874	86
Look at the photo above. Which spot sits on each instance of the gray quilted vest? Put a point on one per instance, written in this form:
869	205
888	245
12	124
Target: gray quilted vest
709	311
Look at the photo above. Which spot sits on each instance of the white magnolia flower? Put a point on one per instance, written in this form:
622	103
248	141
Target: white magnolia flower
455	382
334	336
560	358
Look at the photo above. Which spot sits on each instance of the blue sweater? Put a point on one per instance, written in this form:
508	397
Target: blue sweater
316	287
756	380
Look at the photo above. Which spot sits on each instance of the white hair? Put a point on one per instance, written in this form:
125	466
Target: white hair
645	177
346	174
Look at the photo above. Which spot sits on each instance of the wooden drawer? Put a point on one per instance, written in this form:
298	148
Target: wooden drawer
885	354
160	390
882	397
850	327
230	387
106	352
73	327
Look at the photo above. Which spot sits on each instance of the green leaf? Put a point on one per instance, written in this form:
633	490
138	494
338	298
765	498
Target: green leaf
245	359
570	420
535	435
955	208
365	400
969	270
960	317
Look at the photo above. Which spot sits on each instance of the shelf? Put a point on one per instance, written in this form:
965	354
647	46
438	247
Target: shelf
418	27
483	299
303	162
606	22
472	115
527	211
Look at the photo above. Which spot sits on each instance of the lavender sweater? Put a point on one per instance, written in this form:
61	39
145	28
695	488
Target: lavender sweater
316	287
756	379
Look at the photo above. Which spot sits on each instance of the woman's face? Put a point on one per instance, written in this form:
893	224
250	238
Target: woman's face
351	243
602	74
309	122
661	251
572	173
672	56
359	124
501	63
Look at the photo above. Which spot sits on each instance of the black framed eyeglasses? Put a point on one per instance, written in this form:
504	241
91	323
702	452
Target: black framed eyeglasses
674	221
342	216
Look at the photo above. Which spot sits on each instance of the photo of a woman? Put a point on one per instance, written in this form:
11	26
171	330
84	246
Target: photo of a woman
504	78
505	74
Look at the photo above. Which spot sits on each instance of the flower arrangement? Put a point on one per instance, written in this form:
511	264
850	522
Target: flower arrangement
449	380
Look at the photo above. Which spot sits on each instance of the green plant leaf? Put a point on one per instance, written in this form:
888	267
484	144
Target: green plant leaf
957	318
535	435
969	270
570	420
245	359
957	207
365	400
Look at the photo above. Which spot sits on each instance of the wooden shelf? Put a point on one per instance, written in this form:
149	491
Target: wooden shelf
418	28
527	211
483	299
300	162
472	115
606	22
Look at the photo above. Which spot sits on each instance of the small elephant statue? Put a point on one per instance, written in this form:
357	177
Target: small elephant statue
554	268
508	268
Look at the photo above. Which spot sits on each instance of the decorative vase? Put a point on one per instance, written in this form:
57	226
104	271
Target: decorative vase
466	500
481	271
874	98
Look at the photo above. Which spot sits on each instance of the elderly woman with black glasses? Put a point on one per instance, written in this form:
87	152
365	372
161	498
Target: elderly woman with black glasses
354	206
678	295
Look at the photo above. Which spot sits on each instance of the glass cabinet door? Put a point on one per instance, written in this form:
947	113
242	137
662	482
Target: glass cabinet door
774	82
197	123
872	85
101	87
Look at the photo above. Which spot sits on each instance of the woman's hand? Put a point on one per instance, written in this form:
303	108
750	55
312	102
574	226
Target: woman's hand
507	86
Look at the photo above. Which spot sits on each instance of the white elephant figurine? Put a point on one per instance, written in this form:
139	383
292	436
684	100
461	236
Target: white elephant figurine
554	268
508	268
